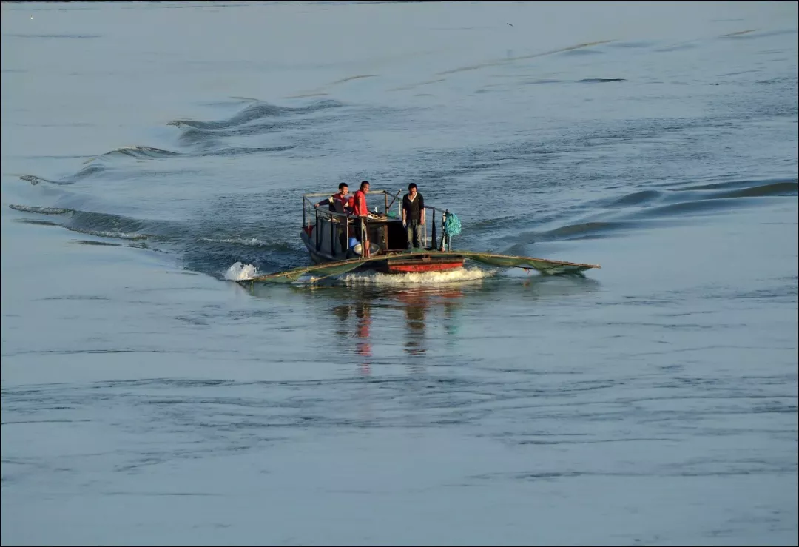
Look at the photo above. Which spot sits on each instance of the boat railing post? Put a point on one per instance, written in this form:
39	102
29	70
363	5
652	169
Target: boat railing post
318	243
424	233
364	242
347	232
444	234
433	245
332	236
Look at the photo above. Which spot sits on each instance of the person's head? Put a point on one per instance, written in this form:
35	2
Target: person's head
365	186
343	188
412	188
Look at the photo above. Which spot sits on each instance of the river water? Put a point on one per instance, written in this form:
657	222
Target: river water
152	153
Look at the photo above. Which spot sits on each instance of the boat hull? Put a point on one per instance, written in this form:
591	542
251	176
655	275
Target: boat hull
395	262
421	264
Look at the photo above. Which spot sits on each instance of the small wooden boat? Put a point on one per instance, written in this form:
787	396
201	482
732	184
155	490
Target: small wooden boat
334	240
334	235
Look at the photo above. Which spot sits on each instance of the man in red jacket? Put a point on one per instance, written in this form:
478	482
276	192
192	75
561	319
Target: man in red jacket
360	209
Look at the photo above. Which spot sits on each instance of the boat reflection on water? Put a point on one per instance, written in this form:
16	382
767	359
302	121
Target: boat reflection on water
363	313
417	302
370	311
420	306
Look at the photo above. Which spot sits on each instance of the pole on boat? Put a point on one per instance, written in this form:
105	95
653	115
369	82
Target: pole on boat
445	244
423	244
393	199
433	232
443	231
364	245
318	243
346	235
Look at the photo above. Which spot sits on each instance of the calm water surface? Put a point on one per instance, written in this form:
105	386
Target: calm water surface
154	152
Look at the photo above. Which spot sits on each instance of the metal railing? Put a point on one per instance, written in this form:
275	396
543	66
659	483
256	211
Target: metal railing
440	243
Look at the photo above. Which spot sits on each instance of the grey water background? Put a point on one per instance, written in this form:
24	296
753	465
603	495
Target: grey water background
147	148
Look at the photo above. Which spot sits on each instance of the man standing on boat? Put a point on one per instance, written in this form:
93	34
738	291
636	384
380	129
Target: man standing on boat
360	209
338	202
413	216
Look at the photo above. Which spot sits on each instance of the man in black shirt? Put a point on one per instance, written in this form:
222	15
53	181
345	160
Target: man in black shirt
413	216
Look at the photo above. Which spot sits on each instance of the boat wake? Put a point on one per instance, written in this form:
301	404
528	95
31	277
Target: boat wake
416	278
246	272
241	272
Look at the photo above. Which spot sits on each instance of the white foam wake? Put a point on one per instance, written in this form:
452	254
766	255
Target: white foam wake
252	242
241	272
423	278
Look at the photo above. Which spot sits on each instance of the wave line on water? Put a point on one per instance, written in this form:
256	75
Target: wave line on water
257	111
139	152
41	210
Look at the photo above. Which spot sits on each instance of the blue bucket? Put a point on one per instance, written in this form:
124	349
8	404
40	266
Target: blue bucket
353	241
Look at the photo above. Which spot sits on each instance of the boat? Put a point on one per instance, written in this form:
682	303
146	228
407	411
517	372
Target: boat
335	242
334	235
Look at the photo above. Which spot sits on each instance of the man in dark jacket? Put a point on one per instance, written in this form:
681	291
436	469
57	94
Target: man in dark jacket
340	202
413	216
